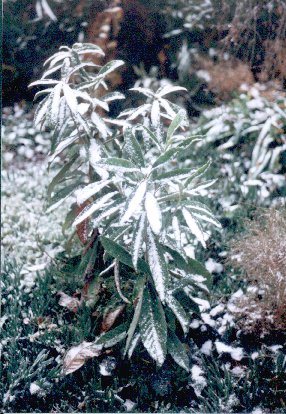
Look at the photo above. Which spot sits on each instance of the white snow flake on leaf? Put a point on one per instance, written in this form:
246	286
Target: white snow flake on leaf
153	213
153	328
194	227
157	265
86	212
135	202
86	192
138	239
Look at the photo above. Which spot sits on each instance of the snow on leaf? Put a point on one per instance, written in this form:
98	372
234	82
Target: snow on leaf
177	351
165	104
138	111
145	91
157	264
153	213
179	312
155	113
132	148
100	125
138	239
135	202
77	356
169	89
48	10
134	342
112	96
118	165
194	226
95	152
55	104
106	213
90	209
206	217
68	302
62	146
177	121
89	190
201	186
48	82
56	58
41	111
50	71
176	230
153	327
110	67
70	98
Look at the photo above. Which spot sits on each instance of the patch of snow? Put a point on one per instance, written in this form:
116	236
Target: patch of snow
275	348
235	353
207	319
213	267
198	379
254	355
207	347
34	388
195	324
107	366
129	405
218	309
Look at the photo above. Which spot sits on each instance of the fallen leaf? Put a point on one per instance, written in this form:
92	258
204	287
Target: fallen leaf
68	302
110	318
83	227
78	355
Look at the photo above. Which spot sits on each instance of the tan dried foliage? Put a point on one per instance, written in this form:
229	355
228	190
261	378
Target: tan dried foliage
275	60
261	255
226	76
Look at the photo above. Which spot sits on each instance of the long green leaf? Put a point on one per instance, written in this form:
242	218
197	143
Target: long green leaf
118	252
177	351
175	124
135	320
132	148
153	327
118	165
177	173
179	311
60	175
158	266
165	157
111	338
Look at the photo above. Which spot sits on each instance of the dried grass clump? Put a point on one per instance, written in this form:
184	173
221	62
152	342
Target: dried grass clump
226	76
261	255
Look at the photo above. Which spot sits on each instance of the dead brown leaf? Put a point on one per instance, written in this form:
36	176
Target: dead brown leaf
110	318
68	302
78	355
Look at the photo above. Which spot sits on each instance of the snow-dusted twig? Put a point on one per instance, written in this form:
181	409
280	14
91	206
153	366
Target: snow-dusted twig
117	281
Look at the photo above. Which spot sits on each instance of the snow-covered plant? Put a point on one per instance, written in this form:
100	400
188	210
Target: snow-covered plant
250	122
133	200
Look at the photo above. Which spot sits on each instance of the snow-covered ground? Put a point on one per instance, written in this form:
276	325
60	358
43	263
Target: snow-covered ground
29	235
